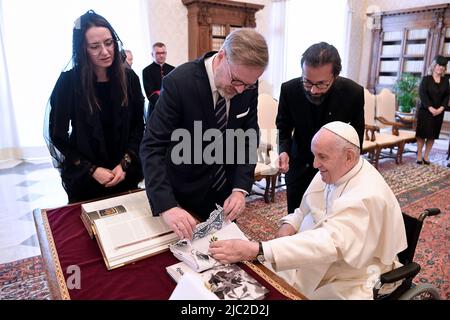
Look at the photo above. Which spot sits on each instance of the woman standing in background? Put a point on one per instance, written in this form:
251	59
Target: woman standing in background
95	116
434	94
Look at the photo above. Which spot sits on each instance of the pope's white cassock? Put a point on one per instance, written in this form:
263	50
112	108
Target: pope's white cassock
349	233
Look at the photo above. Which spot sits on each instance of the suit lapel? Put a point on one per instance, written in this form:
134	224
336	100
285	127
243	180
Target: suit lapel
206	99
236	108
204	92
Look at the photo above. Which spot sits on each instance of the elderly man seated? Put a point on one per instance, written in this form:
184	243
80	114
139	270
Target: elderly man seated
348	229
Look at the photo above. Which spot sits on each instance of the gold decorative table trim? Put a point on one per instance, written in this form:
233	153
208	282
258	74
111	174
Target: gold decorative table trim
275	281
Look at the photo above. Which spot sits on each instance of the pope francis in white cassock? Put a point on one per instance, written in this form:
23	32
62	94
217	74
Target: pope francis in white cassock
347	231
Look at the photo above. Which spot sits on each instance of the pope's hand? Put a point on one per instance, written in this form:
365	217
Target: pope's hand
231	251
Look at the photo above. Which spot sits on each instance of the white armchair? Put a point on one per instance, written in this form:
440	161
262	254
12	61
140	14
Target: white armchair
266	167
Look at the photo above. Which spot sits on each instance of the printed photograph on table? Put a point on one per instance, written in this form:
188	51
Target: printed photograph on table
231	282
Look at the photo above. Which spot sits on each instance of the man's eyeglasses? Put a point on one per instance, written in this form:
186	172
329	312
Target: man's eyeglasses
238	83
319	85
97	47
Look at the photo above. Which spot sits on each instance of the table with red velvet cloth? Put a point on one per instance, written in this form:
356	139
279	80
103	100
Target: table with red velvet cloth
65	242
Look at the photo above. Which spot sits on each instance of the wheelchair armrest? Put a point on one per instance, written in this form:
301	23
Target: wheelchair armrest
432	211
407	271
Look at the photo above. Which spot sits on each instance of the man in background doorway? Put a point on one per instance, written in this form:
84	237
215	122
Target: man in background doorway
153	74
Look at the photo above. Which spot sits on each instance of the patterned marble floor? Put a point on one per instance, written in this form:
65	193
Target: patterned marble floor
31	184
24	186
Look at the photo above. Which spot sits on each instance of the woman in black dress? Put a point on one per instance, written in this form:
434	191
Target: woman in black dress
434	94
95	116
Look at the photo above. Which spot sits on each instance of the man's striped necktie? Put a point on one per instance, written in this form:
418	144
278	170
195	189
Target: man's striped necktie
221	119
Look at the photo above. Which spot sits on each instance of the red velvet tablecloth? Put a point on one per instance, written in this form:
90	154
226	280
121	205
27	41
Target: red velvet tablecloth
145	279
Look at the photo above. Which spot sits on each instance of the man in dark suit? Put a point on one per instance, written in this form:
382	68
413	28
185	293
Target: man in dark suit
152	74
199	101
319	96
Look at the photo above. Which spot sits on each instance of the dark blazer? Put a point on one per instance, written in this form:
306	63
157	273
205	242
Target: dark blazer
186	97
345	102
151	78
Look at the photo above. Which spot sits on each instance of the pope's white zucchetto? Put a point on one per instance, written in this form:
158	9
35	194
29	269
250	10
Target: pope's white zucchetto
344	130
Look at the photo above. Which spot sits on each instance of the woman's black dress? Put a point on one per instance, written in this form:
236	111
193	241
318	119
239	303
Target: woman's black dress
435	95
81	139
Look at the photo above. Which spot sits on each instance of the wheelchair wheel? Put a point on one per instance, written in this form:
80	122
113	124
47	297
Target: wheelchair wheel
421	292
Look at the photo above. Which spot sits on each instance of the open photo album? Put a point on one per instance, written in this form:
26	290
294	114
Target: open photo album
125	229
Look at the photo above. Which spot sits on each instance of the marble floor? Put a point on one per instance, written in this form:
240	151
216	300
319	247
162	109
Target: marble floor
27	185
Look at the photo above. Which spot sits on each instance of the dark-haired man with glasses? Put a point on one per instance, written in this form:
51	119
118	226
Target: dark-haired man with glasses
306	103
219	92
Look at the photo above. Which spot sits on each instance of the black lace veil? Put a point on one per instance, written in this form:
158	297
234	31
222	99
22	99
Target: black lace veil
76	63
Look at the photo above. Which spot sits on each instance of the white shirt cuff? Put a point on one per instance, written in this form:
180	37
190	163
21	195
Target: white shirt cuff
268	254
241	190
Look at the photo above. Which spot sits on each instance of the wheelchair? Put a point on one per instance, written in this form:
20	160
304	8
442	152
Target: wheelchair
407	290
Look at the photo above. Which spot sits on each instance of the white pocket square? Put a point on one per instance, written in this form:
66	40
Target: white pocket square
243	114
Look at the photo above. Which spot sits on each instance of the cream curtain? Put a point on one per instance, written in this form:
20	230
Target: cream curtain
8	129
276	74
